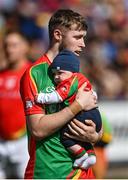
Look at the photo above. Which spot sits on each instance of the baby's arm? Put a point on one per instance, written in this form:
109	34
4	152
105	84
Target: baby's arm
48	98
59	95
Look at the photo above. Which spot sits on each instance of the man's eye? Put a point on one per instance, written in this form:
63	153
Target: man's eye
77	38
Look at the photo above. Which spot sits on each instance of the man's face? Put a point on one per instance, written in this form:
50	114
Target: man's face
61	75
73	40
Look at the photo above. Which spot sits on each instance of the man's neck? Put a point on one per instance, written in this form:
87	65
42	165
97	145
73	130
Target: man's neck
52	52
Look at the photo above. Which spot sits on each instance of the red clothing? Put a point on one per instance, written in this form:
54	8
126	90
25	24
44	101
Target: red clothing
12	118
68	88
30	89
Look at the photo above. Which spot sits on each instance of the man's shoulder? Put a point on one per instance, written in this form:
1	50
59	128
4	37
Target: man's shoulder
43	61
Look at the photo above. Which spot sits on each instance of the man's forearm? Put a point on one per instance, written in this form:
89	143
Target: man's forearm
42	126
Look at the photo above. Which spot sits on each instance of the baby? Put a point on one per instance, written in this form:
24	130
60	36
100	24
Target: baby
65	69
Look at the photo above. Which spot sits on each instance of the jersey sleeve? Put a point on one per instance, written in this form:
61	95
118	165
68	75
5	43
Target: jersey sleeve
28	91
68	87
49	98
63	89
82	79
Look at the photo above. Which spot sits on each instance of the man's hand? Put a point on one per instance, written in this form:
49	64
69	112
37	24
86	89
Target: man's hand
86	99
84	132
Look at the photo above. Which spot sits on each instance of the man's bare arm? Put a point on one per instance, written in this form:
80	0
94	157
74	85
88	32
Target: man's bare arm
42	126
84	132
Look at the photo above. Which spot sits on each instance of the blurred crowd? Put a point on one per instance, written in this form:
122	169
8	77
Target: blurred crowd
105	59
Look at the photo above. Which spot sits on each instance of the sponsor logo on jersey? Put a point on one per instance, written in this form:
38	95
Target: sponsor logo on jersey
29	104
50	89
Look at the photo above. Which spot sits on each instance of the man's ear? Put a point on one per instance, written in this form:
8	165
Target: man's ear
58	34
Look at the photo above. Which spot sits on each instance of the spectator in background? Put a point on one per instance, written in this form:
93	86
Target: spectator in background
101	166
13	139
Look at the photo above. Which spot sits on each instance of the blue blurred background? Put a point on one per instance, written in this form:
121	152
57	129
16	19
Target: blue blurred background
104	61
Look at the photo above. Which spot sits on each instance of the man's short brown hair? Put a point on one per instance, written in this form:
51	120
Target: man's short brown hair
66	18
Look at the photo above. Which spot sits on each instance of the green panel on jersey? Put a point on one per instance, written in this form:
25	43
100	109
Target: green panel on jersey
40	75
73	90
52	159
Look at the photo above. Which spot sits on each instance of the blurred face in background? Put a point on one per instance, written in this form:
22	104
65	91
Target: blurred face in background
16	48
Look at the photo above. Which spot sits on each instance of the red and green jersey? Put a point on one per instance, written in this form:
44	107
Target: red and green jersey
68	88
48	157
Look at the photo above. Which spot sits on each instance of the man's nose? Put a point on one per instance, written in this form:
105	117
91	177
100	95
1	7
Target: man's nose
82	43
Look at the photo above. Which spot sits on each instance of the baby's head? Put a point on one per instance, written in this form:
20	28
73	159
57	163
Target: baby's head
64	65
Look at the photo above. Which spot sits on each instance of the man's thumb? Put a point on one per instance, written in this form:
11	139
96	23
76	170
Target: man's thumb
83	87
